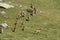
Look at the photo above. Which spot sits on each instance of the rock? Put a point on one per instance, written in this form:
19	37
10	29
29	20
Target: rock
5	25
20	5
2	12
6	17
41	11
38	30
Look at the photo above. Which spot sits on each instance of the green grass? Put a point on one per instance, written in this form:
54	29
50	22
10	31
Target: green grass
48	20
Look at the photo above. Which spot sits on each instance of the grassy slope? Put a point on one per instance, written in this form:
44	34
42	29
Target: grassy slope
48	20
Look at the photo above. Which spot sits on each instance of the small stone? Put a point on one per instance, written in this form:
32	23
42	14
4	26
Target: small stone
20	6
3	13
